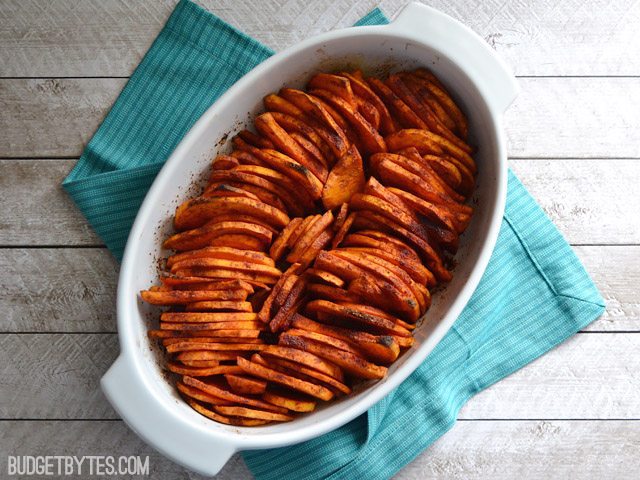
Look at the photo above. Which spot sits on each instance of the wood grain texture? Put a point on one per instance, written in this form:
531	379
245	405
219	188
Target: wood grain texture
73	290
55	375
529	449
591	376
58	290
552	117
578	196
41	38
471	450
36	210
590	201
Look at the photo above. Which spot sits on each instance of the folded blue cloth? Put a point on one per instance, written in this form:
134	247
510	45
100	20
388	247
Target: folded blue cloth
534	295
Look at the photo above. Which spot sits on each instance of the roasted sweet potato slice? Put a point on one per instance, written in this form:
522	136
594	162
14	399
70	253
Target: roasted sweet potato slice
198	211
217	390
236	421
253	413
224	162
312	107
353	364
271	375
255	139
204	236
225	253
429	143
195	346
214	262
368	320
304	358
184	297
283	142
345	178
377	348
238	240
335	84
197	394
326	277
211	317
367	134
444	98
279	245
241	384
328	292
308	237
307	374
202	372
360	88
289	400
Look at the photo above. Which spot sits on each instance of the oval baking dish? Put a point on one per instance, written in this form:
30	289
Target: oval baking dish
420	36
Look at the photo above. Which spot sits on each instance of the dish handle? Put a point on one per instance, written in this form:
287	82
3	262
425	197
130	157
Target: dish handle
465	47
193	448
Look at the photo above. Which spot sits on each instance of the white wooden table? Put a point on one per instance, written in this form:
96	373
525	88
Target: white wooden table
574	140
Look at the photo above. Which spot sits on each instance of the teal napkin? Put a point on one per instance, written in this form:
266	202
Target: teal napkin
534	295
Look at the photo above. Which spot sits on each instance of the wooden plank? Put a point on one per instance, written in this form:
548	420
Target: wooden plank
73	290
36	210
591	376
58	290
471	450
552	117
85	438
55	375
591	201
530	449
576	194
109	37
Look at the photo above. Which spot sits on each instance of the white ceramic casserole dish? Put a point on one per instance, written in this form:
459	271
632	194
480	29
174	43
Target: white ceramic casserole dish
137	386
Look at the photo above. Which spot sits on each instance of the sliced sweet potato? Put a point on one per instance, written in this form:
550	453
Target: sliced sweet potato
320	242
197	394
195	346
308	374
360	88
312	107
335	84
183	297
369	320
289	400
280	243
328	292
226	253
247	385
203	355
353	364
275	103
344	229
283	142
202	372
377	348
367	134
343	269
224	162
212	326
326	277
216	262
239	240
253	413
327	143
217	390
345	178
305	241
211	317
255	139
204	236
236	421
271	375
444	98
304	358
